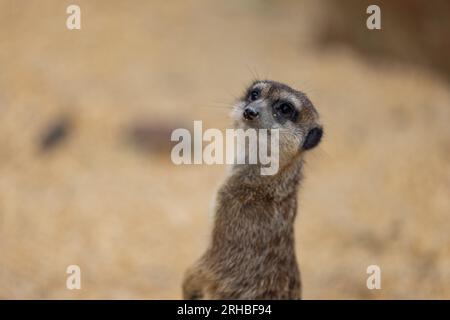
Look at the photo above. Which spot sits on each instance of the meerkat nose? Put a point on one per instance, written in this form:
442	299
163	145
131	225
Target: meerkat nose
250	113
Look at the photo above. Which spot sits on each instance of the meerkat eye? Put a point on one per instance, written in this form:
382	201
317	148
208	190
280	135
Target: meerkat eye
254	95
286	109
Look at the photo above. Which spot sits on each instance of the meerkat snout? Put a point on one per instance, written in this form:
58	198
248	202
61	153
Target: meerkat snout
250	113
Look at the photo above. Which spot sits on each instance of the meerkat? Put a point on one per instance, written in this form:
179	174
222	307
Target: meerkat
251	254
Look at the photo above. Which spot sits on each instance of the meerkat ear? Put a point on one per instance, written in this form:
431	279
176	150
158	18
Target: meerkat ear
313	138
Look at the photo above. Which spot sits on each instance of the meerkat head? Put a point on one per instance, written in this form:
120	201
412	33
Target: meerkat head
272	105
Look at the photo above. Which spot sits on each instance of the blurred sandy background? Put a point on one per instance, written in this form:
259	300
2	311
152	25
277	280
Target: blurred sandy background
80	182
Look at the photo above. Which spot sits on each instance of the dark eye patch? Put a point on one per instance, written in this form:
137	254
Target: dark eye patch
254	94
284	111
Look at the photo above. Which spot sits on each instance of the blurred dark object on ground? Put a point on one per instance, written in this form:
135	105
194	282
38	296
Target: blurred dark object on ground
151	136
55	133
